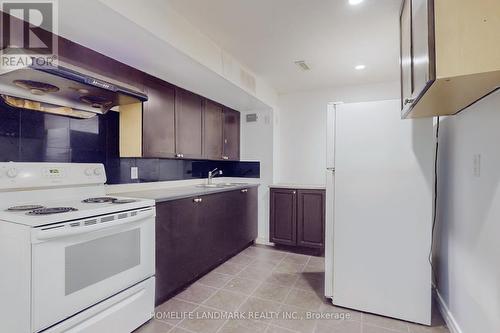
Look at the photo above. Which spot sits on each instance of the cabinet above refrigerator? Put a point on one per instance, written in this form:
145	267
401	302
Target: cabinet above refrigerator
449	55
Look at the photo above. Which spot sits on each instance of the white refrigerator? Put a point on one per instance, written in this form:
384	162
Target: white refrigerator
380	187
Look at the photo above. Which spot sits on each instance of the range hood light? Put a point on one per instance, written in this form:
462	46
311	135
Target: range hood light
83	91
36	88
37	92
49	108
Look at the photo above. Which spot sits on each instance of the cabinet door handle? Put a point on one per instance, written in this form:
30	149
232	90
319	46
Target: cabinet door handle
244	190
197	200
409	101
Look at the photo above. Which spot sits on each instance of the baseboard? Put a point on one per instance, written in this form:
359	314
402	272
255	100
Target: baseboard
263	241
447	315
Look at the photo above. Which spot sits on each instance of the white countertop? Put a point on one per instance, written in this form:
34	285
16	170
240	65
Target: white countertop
299	186
181	192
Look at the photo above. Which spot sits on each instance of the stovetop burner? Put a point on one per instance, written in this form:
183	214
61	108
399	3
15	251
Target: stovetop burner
24	208
123	201
50	211
99	200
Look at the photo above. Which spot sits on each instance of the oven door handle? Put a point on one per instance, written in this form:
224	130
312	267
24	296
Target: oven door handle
66	230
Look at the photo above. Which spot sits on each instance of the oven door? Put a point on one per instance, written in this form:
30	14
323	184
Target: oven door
74	268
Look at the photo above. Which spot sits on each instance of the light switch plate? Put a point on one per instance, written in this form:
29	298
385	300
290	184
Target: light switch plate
134	173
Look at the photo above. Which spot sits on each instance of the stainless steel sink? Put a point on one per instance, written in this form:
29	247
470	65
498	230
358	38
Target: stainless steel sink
208	185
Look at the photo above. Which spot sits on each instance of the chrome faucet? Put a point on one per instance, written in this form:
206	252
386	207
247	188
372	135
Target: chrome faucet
212	174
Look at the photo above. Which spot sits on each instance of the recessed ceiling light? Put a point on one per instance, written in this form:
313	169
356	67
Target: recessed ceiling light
360	67
355	2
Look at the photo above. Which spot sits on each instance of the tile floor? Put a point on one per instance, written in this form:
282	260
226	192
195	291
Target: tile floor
269	284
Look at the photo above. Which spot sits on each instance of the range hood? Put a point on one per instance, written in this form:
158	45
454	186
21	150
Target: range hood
64	91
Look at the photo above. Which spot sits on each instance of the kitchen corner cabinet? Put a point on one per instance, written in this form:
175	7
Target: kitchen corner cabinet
194	235
297	217
231	134
450	55
212	130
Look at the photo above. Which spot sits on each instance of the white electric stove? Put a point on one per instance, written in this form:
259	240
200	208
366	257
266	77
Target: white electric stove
72	258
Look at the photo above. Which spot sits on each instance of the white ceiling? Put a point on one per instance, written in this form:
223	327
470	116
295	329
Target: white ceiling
267	36
180	70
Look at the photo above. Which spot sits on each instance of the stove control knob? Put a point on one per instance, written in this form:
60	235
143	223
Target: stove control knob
97	171
12	173
88	172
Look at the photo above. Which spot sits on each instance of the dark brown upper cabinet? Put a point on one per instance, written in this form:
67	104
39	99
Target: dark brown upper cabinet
159	119
175	123
212	130
297	217
449	55
423	71
231	134
416	26
188	124
406	54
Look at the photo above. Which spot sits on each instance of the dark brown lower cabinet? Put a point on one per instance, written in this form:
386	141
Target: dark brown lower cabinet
284	216
311	218
194	235
297	217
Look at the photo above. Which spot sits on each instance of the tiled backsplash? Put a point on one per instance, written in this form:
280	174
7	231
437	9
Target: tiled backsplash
30	136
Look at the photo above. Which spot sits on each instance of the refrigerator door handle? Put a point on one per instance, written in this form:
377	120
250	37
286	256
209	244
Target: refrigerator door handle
330	217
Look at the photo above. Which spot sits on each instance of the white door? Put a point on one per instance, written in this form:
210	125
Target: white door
383	211
75	268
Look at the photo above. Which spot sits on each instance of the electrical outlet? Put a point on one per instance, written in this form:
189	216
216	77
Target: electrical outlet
477	165
134	173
